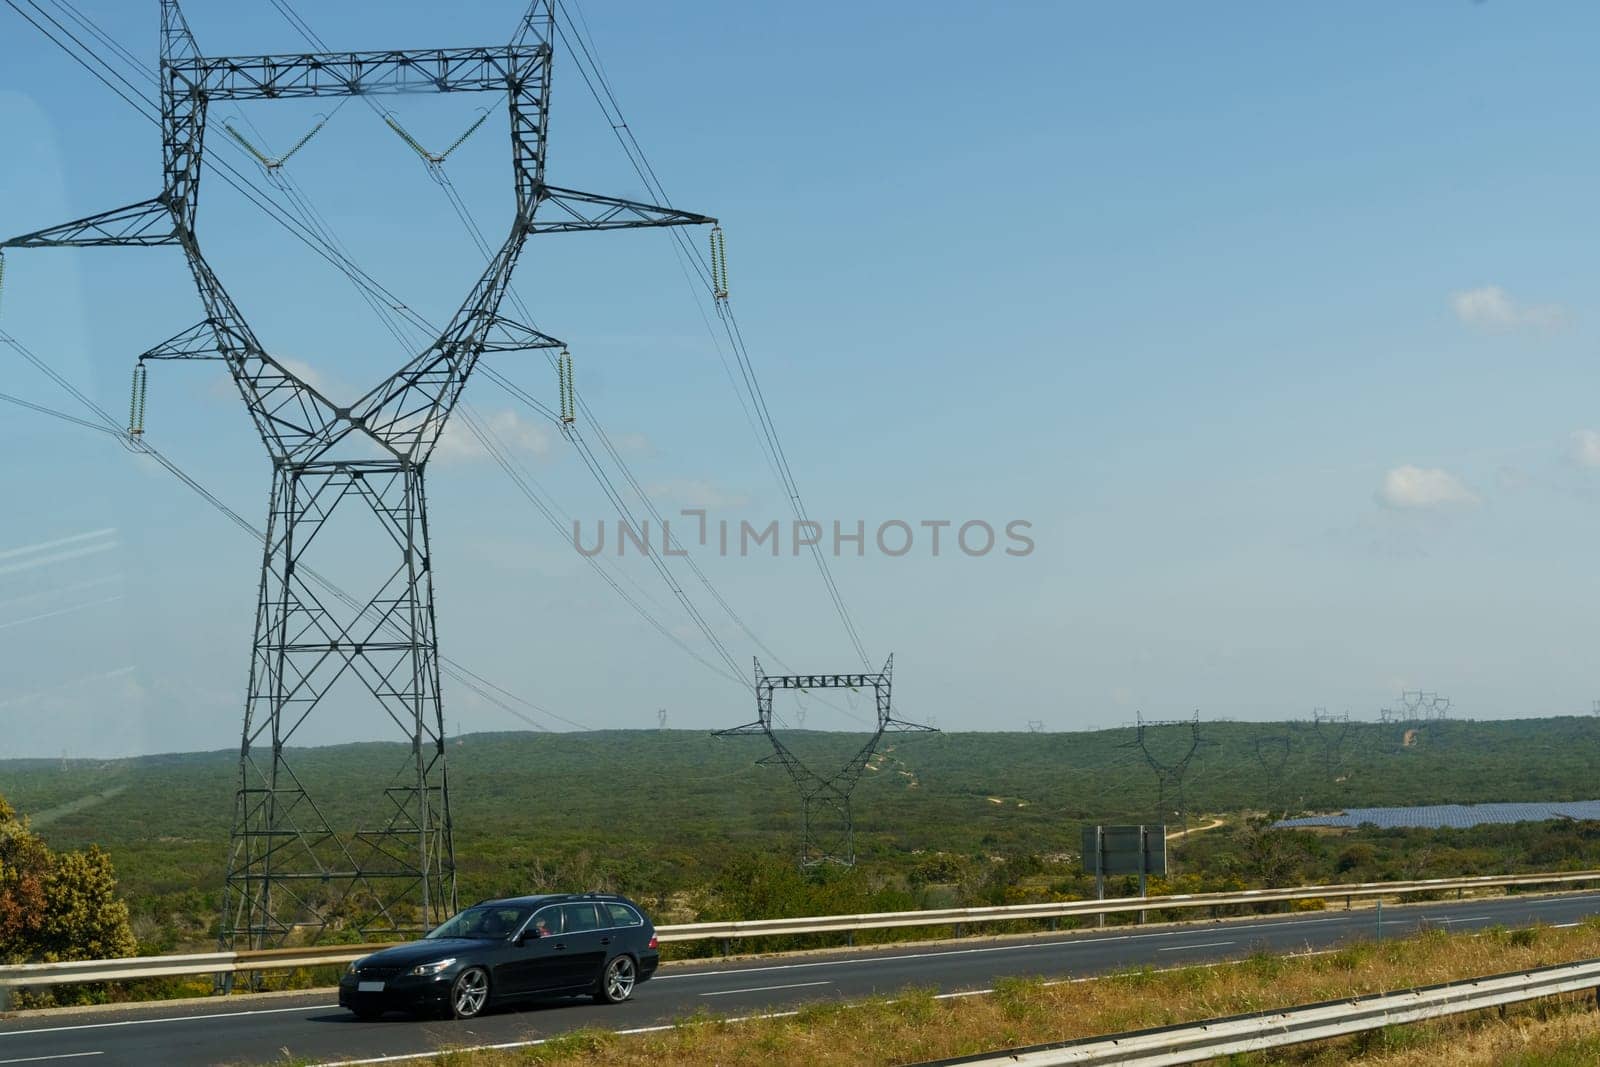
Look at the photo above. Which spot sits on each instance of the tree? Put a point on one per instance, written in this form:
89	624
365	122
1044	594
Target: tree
57	905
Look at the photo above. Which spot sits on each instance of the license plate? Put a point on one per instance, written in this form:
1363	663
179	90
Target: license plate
369	987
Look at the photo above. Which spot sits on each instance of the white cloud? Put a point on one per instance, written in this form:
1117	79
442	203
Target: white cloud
697	493
1491	307
634	444
458	444
306	373
1412	488
1585	448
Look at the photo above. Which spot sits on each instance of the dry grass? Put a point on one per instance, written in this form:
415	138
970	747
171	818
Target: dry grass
1557	1032
915	1025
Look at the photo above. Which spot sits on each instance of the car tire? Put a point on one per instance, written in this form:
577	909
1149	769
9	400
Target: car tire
617	979
469	993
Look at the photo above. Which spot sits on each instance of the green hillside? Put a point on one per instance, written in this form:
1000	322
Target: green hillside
664	812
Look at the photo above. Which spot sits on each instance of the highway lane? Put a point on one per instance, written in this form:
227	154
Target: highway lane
245	1030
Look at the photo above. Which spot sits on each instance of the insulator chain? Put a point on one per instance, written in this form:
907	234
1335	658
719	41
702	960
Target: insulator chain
719	265
569	398
141	379
2	274
458	141
430	158
261	157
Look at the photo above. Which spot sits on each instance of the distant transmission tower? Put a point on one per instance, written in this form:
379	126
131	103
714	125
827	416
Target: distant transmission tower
359	468
1272	753
661	718
1036	726
829	834
1169	772
1333	731
1425	707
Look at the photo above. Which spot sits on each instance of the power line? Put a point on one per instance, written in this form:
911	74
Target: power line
768	429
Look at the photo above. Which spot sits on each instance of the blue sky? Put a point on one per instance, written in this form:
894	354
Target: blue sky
1274	321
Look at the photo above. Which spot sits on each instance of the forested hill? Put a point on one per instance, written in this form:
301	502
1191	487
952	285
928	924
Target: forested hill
686	784
679	801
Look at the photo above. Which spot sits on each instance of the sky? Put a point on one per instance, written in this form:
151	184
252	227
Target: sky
1273	323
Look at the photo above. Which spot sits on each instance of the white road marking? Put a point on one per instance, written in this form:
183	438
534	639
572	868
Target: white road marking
58	1056
763	989
1075	942
172	1019
1564	926
1185	948
1466	919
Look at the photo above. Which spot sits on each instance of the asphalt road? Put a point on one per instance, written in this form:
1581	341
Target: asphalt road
243	1030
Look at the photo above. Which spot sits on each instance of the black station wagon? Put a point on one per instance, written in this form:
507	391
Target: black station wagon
506	950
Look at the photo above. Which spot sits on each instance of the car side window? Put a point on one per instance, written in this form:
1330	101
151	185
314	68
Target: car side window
622	915
501	922
546	921
579	917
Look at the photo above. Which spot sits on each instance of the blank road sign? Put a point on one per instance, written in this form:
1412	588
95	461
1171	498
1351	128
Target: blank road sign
1125	849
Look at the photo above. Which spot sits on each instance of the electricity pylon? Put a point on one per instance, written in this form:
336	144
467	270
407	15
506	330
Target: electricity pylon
289	870
1169	773
1272	752
829	824
1333	731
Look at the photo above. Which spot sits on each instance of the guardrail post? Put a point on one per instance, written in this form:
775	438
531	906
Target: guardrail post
1347	902
726	947
1380	918
5	998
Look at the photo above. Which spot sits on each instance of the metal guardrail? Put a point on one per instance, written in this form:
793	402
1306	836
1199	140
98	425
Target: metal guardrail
1075	908
1210	1038
47	974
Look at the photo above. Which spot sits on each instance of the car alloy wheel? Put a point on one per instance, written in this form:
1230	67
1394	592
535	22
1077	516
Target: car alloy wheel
616	984
469	993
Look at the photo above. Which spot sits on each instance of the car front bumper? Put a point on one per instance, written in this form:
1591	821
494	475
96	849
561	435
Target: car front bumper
403	993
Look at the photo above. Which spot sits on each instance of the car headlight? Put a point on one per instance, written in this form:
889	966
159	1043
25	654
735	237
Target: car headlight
424	969
355	965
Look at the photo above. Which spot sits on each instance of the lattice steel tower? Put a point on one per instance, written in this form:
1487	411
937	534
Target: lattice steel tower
828	834
290	871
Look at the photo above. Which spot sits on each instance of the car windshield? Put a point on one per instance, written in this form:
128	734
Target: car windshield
486	922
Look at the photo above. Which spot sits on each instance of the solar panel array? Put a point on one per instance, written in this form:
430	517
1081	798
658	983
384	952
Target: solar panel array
1461	816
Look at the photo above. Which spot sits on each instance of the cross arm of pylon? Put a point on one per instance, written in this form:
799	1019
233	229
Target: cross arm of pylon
508	335
426	70
901	726
197	342
579	211
145	224
756	728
